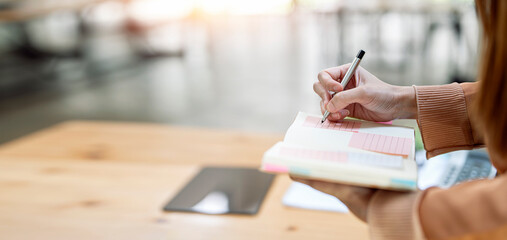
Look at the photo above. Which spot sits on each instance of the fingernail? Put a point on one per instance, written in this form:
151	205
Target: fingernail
344	112
331	107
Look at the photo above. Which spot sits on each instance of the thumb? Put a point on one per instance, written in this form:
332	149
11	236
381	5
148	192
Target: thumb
345	98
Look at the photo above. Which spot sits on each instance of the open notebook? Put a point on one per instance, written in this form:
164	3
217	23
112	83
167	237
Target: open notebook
351	151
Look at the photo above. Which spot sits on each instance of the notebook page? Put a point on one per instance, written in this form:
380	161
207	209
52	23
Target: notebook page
307	130
330	157
301	133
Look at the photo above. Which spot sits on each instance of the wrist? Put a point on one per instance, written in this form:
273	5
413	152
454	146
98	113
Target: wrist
407	103
395	215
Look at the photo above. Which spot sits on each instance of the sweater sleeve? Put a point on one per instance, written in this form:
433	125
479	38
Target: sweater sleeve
470	210
443	117
394	215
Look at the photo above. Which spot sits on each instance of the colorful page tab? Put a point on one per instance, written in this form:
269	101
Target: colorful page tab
381	143
274	168
344	125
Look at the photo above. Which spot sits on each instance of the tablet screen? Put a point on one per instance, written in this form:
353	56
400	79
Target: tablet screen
223	191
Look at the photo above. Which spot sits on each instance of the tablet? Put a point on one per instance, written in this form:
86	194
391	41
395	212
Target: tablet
217	190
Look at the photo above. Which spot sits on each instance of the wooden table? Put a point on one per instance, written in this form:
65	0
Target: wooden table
104	180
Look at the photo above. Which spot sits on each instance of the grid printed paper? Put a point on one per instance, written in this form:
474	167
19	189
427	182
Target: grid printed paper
381	143
344	125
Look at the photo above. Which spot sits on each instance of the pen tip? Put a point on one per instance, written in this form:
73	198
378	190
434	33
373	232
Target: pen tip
321	121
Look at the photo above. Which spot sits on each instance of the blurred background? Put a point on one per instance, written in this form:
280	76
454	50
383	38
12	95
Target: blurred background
236	64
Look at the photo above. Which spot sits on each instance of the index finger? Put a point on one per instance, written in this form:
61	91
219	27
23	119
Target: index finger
331	77
339	72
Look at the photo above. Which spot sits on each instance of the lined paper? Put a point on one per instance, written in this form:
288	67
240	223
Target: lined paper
381	143
344	125
343	157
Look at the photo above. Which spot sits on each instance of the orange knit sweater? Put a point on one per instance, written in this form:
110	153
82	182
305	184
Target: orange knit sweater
471	210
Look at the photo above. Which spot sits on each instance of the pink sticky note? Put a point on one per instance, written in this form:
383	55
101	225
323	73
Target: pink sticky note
311	122
407	147
379	143
274	168
368	139
344	125
389	142
399	147
394	143
375	142
387	123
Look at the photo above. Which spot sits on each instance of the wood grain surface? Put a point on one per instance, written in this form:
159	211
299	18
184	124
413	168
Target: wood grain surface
106	180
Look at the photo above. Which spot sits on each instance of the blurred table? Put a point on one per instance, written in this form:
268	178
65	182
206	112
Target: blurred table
104	180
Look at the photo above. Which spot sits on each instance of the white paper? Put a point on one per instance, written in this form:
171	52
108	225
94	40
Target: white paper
302	196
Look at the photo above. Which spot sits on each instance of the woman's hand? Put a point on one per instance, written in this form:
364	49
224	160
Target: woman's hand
365	97
357	199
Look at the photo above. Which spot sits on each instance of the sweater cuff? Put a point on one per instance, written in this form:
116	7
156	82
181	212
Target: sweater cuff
443	118
395	215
